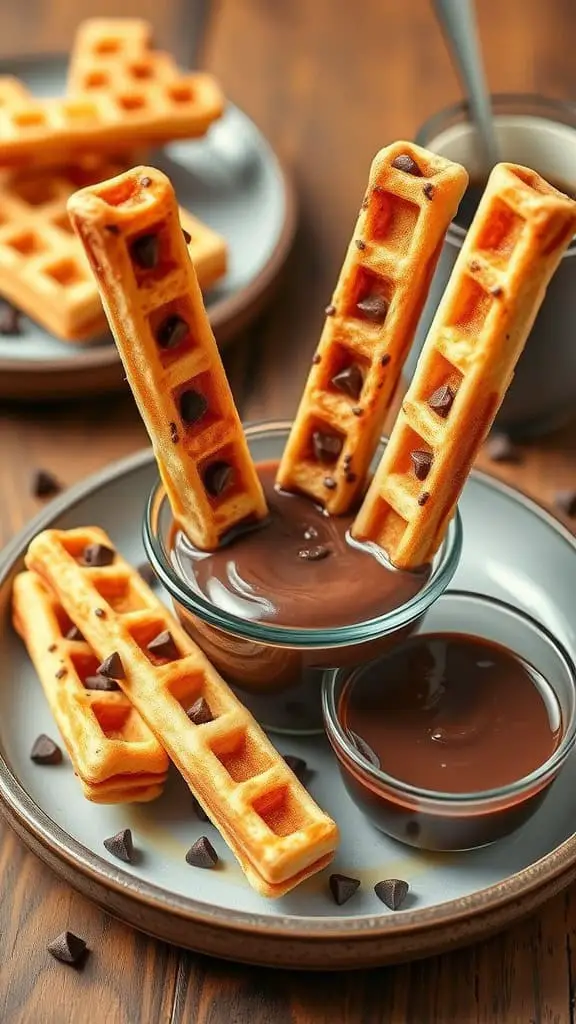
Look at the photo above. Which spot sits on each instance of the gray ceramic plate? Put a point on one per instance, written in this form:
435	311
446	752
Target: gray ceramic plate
233	182
513	550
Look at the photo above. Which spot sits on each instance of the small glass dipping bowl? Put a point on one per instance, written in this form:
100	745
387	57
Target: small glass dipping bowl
277	671
433	820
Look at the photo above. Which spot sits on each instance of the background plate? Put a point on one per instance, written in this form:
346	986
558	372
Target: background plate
530	561
233	182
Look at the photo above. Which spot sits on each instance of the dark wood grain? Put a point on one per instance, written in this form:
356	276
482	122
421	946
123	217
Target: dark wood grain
329	84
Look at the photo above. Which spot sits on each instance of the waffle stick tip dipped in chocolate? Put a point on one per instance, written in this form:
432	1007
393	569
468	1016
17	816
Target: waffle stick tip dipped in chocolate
412	196
521	229
131	233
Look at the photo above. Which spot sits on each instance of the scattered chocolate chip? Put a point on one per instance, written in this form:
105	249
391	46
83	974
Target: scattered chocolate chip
330	483
202	854
99	613
45	484
113	229
385	360
199	810
99	682
61	673
374	308
52	648
297	765
10	322
359	244
174	436
428	190
423	498
316	359
501	448
406	163
351	478
441	400
145	181
68	948
112	667
422	461
45	751
497	291
171	331
349	380
74	634
392	892
565	501
146	572
347	459
164	646
330	310
474	266
217	477
357	410
310	533
145	251
327	447
98	555
315	554
343	888
193	406
187	236
200	713
121	845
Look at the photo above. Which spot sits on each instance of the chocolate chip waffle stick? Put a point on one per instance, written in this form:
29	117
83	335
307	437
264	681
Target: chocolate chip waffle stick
270	822
131	233
115	756
521	228
411	198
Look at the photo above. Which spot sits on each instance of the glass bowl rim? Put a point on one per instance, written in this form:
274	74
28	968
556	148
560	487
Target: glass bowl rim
266	632
551	766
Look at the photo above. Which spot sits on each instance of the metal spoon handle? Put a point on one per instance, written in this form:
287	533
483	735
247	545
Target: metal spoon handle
458	22
192	22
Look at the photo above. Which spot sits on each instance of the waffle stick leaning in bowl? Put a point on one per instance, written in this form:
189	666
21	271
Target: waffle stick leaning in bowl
272	825
114	754
520	231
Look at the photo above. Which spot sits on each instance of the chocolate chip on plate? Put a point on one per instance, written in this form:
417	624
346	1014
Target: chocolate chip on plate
98	555
501	448
74	634
10	321
422	461
45	484
200	712
45	751
217	477
145	251
442	399
326	446
164	646
202	854
342	887
112	667
349	380
315	554
98	682
297	765
121	845
404	162
68	948
565	501
193	406
171	331
392	892
374	307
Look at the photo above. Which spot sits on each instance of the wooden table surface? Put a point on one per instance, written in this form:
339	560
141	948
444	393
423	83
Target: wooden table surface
328	83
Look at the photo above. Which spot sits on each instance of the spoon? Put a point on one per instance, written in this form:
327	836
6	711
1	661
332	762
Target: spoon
458	23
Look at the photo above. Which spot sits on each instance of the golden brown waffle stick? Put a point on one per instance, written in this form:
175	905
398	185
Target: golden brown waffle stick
521	228
411	198
277	832
130	230
114	754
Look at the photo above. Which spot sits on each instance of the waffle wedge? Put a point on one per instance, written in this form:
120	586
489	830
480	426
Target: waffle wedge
270	822
411	198
115	756
131	233
519	233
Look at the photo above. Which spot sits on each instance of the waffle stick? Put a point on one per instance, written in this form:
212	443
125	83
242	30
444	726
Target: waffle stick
270	822
521	228
114	754
410	200
130	230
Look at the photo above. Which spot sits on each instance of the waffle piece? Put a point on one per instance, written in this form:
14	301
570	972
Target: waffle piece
270	822
115	756
130	230
521	228
411	198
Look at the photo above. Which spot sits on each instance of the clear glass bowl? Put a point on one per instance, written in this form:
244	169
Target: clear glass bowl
277	671
433	820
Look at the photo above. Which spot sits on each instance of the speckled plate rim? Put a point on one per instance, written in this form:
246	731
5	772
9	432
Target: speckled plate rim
282	941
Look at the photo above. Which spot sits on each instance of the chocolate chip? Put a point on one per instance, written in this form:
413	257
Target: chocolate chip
423	498
349	380
171	331
359	244
52	648
145	181
163	646
392	892
406	163
385	359
100	683
200	713
316	359
193	406
374	307
310	533
74	634
61	673
422	461
351	478
343	888
315	554
329	482
98	555
297	765
99	613
474	266
10	322
442	399
429	190
217	477
565	501
187	236
121	845
202	854
112	667
112	229
68	948
357	410
45	484
497	291
501	448
146	572
45	751
330	310
145	251
199	810
327	447
174	436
